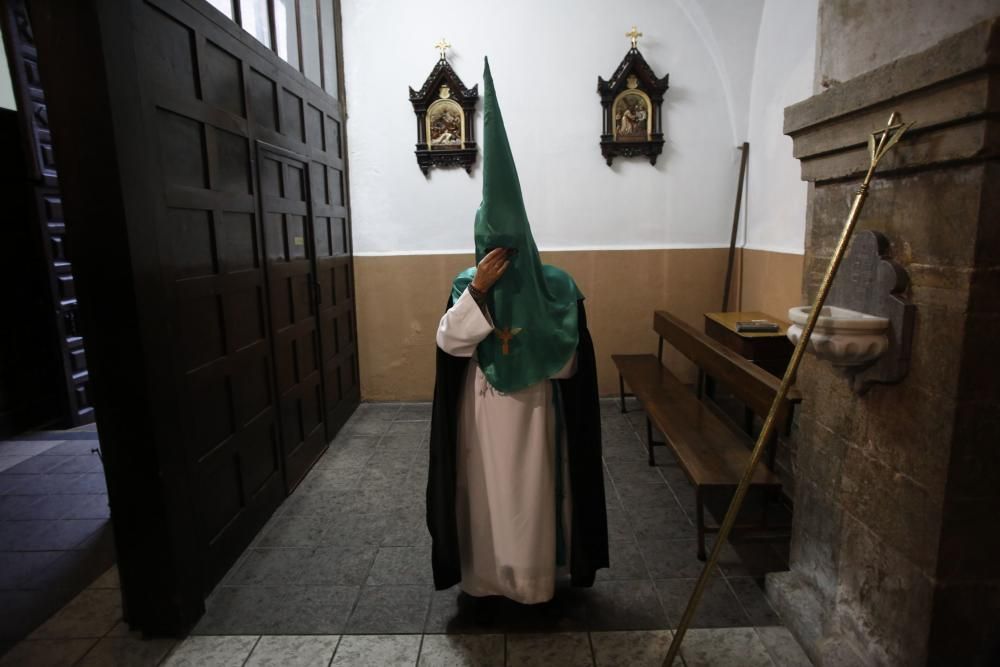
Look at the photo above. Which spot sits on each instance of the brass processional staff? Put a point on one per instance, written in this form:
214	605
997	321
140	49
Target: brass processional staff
879	144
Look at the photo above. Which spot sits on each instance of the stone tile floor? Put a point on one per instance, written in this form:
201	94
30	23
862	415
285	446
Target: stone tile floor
340	575
55	535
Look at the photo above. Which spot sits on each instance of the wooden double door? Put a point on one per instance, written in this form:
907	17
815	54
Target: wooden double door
312	313
207	194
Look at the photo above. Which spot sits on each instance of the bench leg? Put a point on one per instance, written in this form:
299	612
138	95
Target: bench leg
699	509
621	390
649	441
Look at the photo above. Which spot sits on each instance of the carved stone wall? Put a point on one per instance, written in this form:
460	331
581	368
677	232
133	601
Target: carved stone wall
895	549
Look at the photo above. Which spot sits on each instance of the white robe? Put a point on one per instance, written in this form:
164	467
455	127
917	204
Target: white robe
506	486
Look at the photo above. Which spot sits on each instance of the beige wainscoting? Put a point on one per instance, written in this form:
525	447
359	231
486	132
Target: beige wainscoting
401	298
771	282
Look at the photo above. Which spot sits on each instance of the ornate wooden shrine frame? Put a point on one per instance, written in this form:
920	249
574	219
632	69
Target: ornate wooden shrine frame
445	109
632	100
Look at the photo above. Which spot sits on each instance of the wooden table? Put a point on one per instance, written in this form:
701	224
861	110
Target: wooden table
769	350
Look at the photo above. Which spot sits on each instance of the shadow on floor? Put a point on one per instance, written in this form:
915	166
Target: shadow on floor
55	528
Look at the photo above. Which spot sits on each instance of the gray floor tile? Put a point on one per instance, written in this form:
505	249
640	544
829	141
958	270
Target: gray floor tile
623	449
660	524
318	609
28	447
46	508
421	428
31	485
751	595
285	610
349	529
365	426
34	465
269	567
782	647
452	612
47	653
294	651
565	649
633	648
337	566
8	462
88	482
390	610
89	506
462	651
17	507
619	527
127	652
625	605
18	568
729	647
107	580
211	652
377	651
92	613
332	480
400	566
385	476
22	611
245	610
320	503
47	535
568	611
414	412
621	438
83	463
626	562
71	448
671	559
407	529
637	472
718	607
294	530
385	411
638	496
349	451
403	445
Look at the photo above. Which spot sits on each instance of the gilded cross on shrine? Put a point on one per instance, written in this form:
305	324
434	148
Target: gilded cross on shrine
506	335
442	45
634	35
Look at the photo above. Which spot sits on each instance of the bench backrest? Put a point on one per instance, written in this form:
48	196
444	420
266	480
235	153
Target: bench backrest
752	385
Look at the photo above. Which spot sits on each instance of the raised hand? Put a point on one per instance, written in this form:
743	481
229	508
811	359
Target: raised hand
491	268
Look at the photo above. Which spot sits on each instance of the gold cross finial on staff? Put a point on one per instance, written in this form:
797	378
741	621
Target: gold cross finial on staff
880	141
442	45
634	35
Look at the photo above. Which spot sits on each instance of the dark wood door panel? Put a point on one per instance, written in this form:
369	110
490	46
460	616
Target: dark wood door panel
285	207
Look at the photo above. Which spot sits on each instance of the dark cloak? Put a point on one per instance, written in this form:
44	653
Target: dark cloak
582	413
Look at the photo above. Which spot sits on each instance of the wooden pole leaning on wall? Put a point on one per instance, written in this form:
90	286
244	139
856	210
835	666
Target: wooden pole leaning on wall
879	144
745	150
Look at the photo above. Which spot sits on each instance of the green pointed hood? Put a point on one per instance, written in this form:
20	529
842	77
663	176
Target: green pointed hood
534	306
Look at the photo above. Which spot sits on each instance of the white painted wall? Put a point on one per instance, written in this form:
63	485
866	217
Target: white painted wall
782	75
545	58
6	88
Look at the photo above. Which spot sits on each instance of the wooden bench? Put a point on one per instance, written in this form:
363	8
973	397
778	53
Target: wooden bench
711	451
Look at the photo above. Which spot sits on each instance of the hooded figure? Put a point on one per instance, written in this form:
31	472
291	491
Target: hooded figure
515	490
